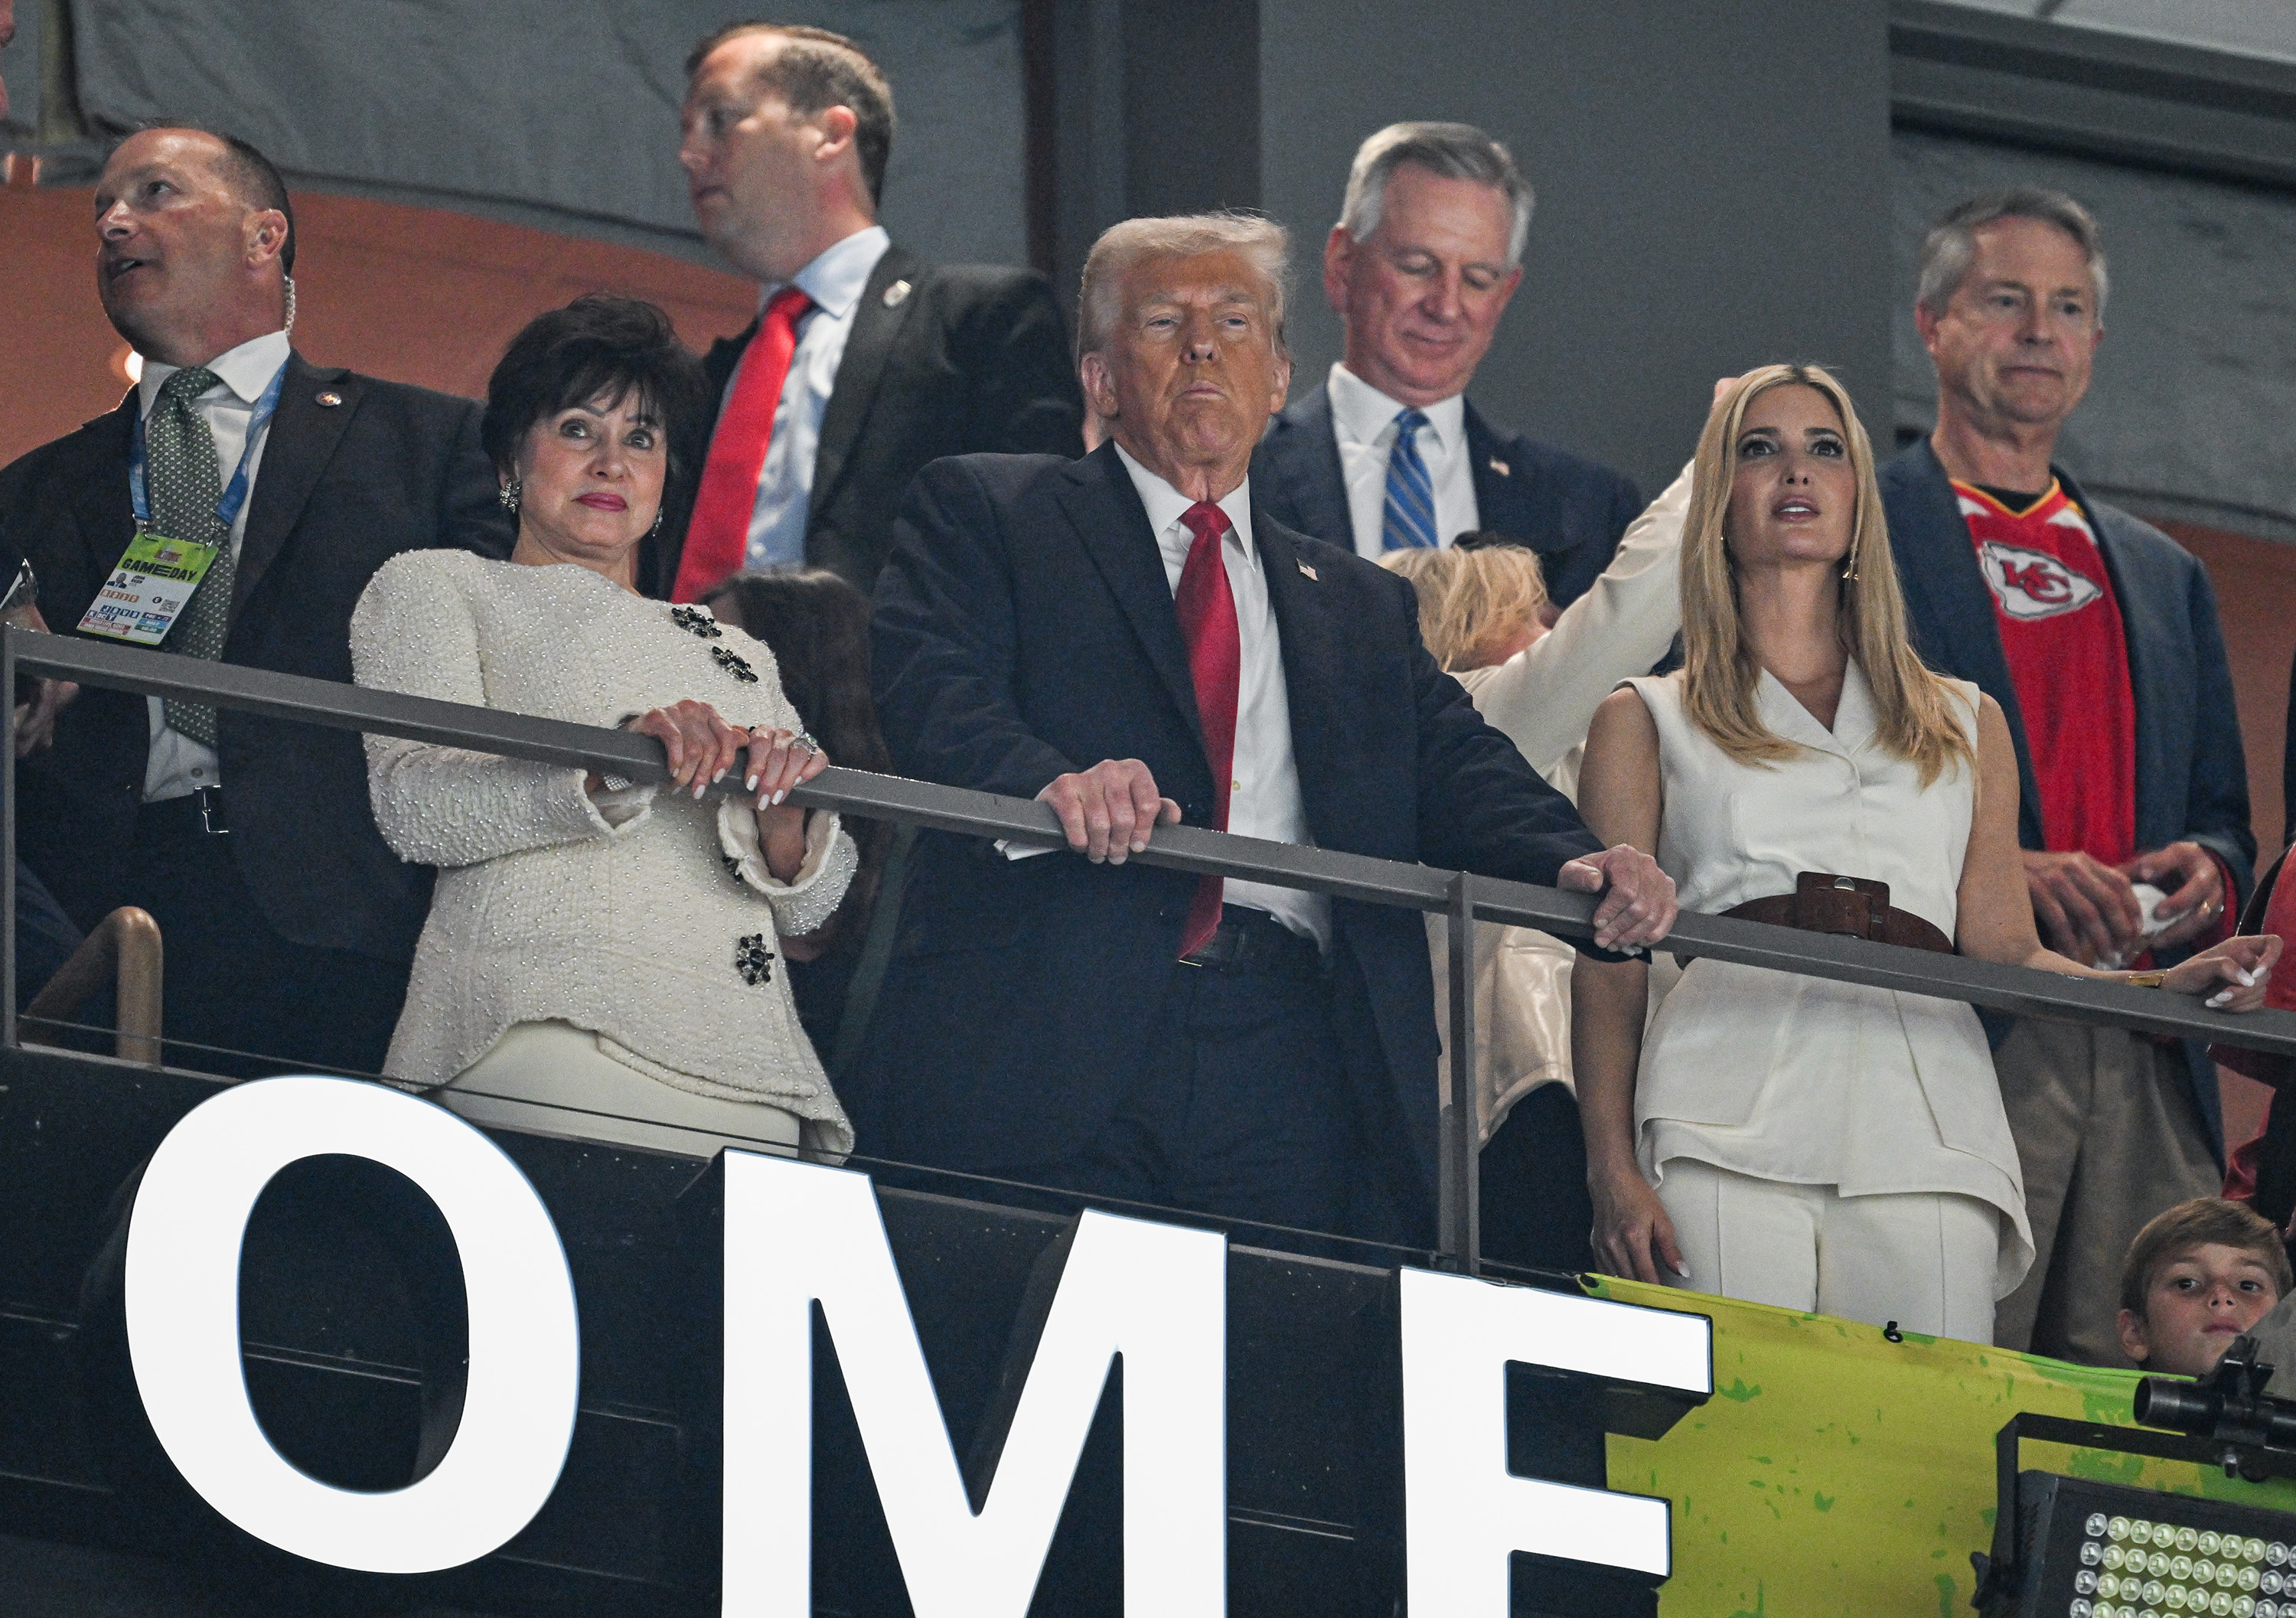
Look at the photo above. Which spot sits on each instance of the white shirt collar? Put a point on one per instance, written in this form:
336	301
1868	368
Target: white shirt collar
1166	505
1361	413
246	370
836	279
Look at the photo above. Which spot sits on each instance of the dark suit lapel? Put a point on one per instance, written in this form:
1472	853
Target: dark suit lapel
1502	488
1315	483
1936	568
99	504
1315	646
1097	495
862	366
301	441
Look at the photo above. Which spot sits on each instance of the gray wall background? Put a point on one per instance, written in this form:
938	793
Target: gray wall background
559	113
1712	193
2190	413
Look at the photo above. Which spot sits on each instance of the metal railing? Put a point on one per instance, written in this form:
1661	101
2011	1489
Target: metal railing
1461	896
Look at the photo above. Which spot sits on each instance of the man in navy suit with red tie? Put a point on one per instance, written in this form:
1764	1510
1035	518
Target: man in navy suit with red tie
866	362
1133	639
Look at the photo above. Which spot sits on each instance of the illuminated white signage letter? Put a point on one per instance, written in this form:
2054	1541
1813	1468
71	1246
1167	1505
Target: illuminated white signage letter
1463	1511
183	1325
1157	1294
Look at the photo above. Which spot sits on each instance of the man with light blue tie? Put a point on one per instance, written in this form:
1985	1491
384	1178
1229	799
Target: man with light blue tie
1388	452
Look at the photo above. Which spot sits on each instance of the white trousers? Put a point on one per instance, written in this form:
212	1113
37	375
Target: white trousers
1923	1259
552	1078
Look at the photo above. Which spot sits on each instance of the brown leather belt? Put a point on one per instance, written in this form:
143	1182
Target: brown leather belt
1824	902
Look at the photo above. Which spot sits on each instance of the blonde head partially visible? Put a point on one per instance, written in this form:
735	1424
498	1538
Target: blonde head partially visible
1471	600
1913	709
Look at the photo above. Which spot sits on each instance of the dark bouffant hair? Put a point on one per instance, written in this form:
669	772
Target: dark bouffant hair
2203	1222
597	345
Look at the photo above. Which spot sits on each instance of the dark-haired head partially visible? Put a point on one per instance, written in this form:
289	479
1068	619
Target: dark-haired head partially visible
598	347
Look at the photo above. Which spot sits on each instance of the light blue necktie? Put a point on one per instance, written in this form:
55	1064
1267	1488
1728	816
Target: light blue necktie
1410	519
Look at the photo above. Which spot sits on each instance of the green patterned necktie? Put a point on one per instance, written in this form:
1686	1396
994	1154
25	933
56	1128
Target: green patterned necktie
186	480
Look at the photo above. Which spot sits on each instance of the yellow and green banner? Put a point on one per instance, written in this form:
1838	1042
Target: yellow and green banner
1837	1474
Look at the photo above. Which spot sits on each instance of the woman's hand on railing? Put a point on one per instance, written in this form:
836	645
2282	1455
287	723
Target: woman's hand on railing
779	760
1633	1236
701	742
2233	974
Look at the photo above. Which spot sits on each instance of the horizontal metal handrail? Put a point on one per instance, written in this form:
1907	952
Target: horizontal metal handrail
327	702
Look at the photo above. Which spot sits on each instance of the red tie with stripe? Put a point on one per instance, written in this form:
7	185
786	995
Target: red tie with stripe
718	536
1207	609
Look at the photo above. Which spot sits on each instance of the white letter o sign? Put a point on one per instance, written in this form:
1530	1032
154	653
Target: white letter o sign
183	1260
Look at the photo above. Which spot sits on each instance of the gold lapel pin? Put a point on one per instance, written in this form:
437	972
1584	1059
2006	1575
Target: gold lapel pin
329	398
895	293
1501	467
1311	572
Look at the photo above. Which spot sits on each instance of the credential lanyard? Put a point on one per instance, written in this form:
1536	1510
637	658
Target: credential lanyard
234	493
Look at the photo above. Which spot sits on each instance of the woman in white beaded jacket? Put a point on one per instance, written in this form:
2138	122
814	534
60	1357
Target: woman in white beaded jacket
602	960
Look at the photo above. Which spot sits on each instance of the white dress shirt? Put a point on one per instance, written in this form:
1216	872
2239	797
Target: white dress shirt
176	764
1264	790
1362	420
835	282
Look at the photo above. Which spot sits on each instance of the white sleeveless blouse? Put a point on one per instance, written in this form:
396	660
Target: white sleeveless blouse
1798	1079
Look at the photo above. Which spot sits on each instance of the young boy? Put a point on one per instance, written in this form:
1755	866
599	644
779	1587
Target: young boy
2197	1277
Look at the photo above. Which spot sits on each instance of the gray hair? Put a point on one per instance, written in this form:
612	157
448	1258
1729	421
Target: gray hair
1951	246
1263	243
1455	152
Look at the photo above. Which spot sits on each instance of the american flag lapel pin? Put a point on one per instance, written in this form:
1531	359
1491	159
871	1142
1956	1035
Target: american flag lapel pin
1501	467
1311	572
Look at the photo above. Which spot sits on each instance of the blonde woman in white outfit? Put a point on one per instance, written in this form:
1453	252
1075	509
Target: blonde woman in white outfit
1808	1143
1481	614
602	960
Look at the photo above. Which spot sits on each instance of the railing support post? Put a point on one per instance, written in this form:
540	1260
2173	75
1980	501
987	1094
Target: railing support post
1460	1233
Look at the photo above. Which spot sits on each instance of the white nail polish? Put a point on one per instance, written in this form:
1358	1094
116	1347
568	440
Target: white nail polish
779	796
751	784
2219	999
2247	978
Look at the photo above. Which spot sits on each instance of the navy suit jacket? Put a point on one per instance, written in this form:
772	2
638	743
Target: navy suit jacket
966	357
1025	629
1568	509
343	488
2192	777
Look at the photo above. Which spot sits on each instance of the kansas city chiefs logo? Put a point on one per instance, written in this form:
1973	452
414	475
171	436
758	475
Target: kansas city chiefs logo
2033	584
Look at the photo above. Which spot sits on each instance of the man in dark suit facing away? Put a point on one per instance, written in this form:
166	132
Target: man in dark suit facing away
288	924
865	362
1134	638
1388	452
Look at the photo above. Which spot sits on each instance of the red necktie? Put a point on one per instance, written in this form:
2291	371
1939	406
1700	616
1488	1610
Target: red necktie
718	535
1207	609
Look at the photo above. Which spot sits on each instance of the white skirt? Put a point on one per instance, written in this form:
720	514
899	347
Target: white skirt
555	1079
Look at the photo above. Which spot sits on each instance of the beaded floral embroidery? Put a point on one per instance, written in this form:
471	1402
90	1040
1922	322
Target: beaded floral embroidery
753	960
733	664
695	622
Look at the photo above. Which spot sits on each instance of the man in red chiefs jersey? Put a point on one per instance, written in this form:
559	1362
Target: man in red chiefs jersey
2097	634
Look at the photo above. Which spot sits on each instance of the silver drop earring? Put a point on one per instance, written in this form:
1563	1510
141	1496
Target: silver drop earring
508	495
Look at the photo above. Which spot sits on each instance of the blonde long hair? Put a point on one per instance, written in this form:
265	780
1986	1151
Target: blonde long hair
1913	706
1467	598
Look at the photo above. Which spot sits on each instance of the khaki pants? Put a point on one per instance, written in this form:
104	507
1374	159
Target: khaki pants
2108	1135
